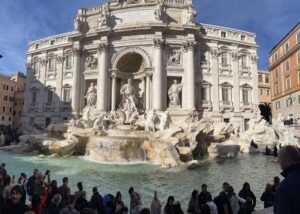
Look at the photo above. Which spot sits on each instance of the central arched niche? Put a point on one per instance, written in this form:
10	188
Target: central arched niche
131	63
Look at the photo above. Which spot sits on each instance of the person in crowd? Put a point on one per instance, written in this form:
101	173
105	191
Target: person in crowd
202	197
40	184
52	191
35	204
155	204
135	201
3	171
108	200
15	205
193	203
80	198
69	209
178	209
275	151
8	184
172	207
96	201
145	211
287	196
234	200
212	206
30	183
268	196
65	191
21	182
276	184
247	208
53	207
205	209
222	201
247	193
118	204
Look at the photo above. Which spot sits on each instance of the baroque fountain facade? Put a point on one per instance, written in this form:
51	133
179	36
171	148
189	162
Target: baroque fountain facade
141	80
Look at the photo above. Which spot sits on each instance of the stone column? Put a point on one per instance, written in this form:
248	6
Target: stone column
215	79
236	81
75	84
190	101
254	75
102	78
113	93
159	78
59	76
27	95
43	74
148	92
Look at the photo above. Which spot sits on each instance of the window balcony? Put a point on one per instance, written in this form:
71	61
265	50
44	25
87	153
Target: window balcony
66	107
226	106
206	104
33	107
246	106
48	107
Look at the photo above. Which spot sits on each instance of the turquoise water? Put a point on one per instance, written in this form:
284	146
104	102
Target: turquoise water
180	182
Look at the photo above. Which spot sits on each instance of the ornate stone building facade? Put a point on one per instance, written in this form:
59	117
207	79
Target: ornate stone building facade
172	62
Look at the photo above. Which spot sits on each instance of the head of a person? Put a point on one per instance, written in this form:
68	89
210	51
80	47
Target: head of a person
39	176
35	172
7	180
95	189
225	186
276	180
53	184
71	200
79	186
288	156
246	186
268	187
16	194
204	188
194	194
56	199
118	196
2	166
230	190
131	190
65	181
209	197
171	200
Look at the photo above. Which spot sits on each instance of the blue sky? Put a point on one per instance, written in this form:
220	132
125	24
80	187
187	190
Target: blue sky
22	21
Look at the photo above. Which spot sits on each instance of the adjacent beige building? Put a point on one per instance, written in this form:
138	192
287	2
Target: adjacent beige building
215	66
264	87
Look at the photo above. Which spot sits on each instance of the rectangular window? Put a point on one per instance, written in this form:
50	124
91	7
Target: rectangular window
68	61
260	78
51	64
33	97
276	56
35	66
286	47
9	118
288	82
3	109
204	94
268	92
67	95
298	77
226	120
52	42
244	61
289	101
5	98
10	109
223	34
276	72
261	92
245	96
277	105
225	94
287	65
4	87
224	58
298	58
298	37
267	79
2	118
50	96
276	88
243	37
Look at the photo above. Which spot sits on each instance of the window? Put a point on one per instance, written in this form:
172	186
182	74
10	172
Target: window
245	93
3	109
244	61
9	118
14	113
298	37
277	105
5	98
224	58
223	34
37	46
288	82
261	91
260	78
276	73
267	79
35	66
287	65
7	88
51	64
226	120
298	77
298	58
4	87
286	47
225	94
276	88
50	96
10	109
268	92
289	101
276	56
243	37
69	61
2	118
52	42
33	97
204	94
67	95
12	88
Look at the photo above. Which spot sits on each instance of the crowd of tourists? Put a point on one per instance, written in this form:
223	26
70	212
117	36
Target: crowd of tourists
38	194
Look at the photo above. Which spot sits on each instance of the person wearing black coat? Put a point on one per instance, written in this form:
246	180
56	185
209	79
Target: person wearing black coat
287	198
247	193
